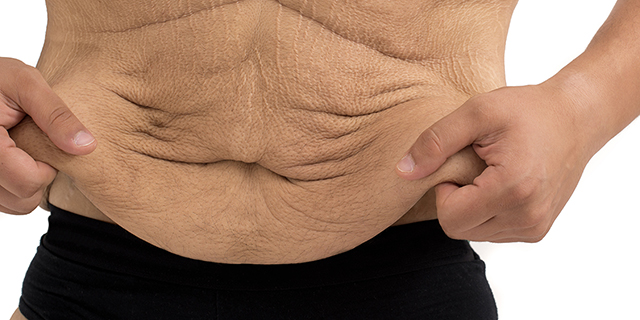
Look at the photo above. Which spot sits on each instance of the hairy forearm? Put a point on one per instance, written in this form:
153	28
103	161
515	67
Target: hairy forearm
603	83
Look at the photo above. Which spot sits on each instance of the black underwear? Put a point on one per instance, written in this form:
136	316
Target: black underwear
88	269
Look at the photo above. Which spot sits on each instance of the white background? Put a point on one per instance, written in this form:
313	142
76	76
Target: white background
586	268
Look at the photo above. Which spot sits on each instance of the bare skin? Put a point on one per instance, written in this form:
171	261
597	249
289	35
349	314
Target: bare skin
459	51
536	140
17	315
261	132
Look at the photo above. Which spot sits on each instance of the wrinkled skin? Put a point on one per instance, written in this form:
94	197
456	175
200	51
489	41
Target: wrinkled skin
258	131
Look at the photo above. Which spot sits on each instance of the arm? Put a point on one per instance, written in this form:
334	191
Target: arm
605	79
23	92
536	140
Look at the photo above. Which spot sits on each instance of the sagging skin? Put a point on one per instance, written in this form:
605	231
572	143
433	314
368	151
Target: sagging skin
258	131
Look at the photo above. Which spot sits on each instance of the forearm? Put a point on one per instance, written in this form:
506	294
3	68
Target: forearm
603	83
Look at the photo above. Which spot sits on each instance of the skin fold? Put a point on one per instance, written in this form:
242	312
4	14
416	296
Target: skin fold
258	131
263	131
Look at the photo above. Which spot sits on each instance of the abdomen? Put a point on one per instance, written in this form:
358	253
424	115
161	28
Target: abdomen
276	145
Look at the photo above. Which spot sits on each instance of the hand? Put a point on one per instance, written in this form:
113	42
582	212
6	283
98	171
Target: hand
535	148
23	91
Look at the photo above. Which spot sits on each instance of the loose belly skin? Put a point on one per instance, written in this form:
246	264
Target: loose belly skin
248	132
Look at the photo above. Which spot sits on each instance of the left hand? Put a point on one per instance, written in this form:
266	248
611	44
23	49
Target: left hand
536	148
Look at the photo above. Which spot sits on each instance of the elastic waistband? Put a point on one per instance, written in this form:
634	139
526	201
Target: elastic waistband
109	248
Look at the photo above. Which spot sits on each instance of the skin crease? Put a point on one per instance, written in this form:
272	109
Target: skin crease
165	123
536	140
278	151
578	79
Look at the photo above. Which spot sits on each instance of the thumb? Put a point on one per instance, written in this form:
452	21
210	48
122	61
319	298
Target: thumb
442	140
51	114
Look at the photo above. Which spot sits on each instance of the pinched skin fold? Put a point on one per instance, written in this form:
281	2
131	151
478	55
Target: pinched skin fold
259	131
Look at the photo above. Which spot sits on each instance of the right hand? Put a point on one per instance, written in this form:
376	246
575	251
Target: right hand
23	91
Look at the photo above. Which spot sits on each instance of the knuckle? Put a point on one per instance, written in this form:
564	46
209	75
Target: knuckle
523	192
59	116
430	142
26	75
27	205
537	236
533	218
454	235
490	108
541	230
27	189
451	230
482	107
537	226
5	142
14	204
28	80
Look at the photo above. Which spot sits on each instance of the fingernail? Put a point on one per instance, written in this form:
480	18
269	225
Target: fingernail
83	139
406	164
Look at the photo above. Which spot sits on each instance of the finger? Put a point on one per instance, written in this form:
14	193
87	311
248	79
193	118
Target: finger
9	211
20	174
461	209
32	94
10	203
508	232
508	223
443	139
517	235
444	190
515	239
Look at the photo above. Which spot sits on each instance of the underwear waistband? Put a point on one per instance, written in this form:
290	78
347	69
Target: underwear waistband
110	248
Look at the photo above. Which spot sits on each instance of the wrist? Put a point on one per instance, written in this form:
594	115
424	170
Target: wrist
596	106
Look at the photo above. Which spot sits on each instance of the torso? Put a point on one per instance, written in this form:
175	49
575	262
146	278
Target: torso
258	131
